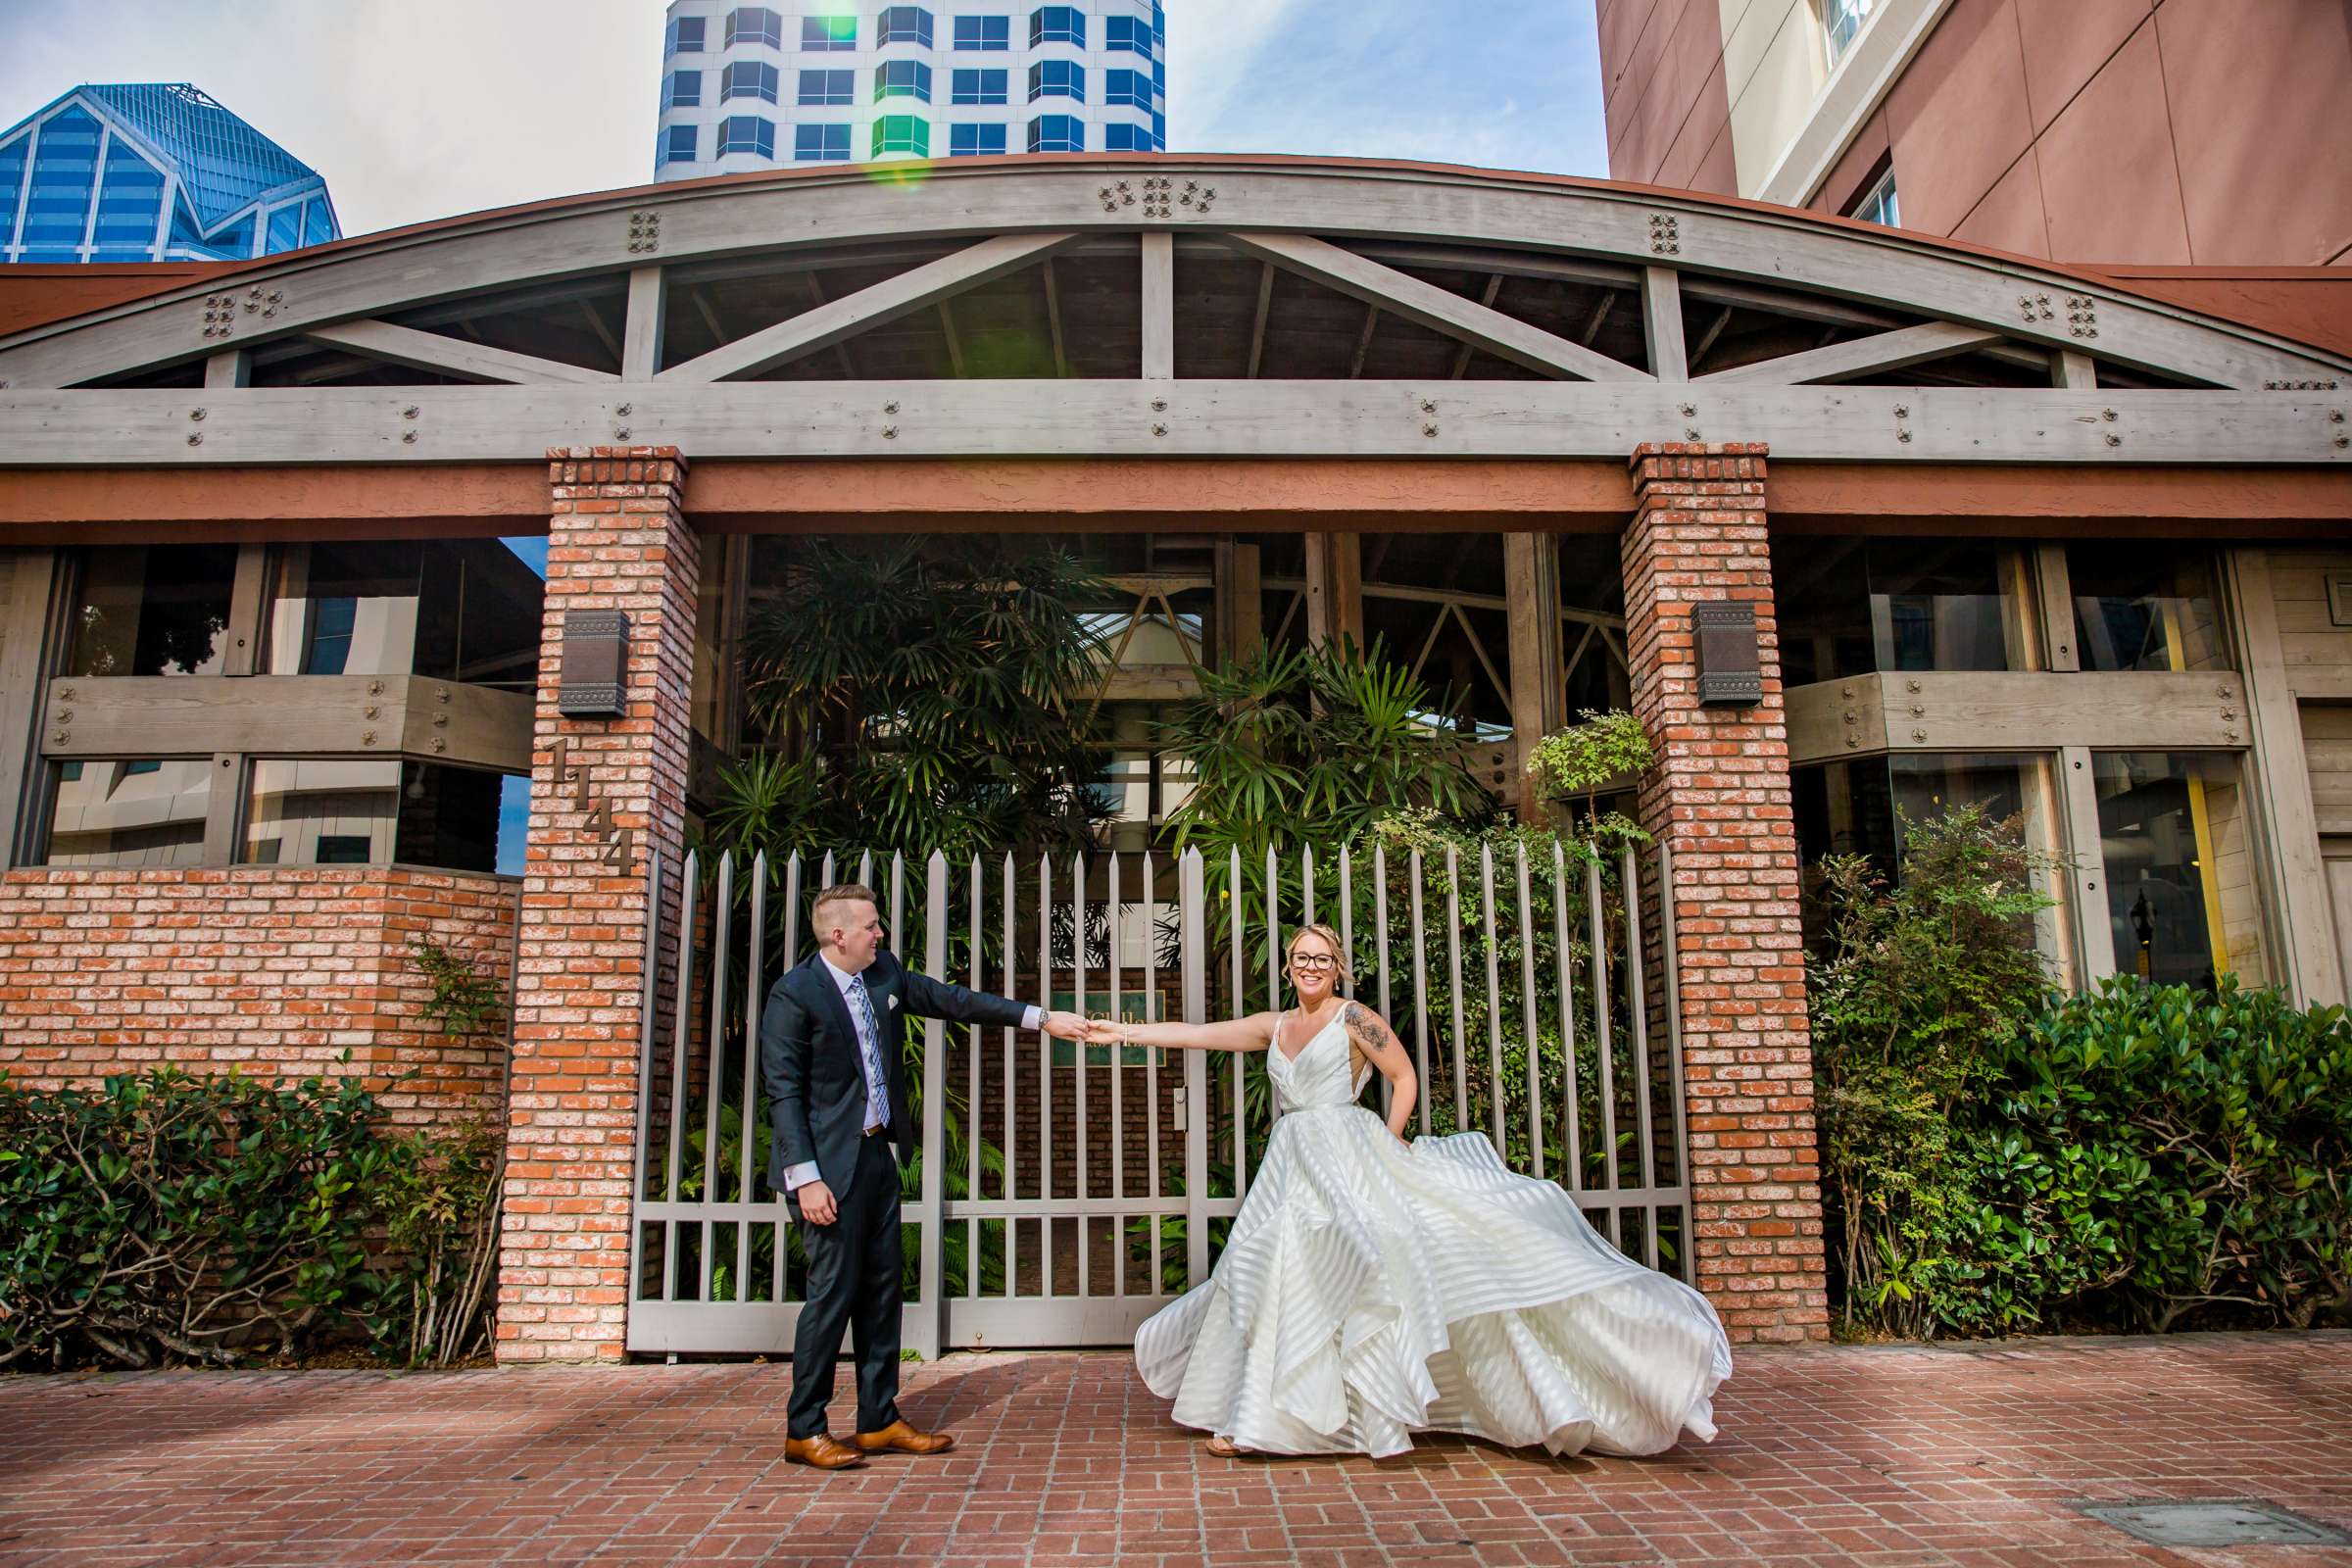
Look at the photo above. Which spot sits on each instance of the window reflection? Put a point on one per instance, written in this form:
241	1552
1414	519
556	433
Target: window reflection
2180	895
374	812
153	610
136	812
1853	606
464	610
2139	606
1859	808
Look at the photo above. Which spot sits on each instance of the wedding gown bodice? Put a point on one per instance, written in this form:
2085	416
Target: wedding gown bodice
1316	1078
1370	1289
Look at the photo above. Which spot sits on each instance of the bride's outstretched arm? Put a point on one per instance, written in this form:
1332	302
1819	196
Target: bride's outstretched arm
1234	1033
1383	1050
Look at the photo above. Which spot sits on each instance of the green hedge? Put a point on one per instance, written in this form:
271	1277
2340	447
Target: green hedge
169	1218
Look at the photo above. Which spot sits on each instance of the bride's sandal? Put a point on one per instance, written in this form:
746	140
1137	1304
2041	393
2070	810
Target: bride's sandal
1225	1448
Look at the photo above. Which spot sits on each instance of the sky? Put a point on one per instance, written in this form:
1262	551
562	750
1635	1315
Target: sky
422	109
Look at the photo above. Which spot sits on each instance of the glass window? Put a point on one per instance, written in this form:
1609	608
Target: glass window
682	89
746	133
1127	33
819	34
1840	20
1878	204
64	169
756	24
2179	867
903	78
1056	79
377	811
1058	133
902	133
1058	24
153	610
1131	87
2143	605
144	813
983	32
684	38
1850	607
903	24
131	203
678	144
1858	807
285	229
820	144
828	86
1122	138
749	79
975	141
978	86
460	609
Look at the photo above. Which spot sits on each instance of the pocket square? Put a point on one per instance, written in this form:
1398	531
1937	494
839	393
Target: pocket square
893	1000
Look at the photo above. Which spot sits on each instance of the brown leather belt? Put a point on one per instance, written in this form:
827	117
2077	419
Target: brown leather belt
877	1129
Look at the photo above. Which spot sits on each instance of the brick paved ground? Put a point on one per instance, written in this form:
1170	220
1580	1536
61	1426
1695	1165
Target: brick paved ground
1828	1456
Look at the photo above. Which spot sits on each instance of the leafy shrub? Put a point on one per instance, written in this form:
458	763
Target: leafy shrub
1996	1158
2159	1150
169	1218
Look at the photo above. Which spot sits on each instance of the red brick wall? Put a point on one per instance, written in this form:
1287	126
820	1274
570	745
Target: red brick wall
1719	801
616	541
270	970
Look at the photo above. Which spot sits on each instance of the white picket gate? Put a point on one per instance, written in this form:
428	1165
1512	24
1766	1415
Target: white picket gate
1067	1192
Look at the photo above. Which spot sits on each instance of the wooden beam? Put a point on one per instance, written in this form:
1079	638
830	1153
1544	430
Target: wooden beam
1041	419
2094	926
248	597
33	582
430	350
1157	295
2072	369
1257	324
291	716
1426	304
1861	356
641	338
947	325
230	367
1062	358
2008	711
1486	299
869	306
1364	343
2054	602
1662	323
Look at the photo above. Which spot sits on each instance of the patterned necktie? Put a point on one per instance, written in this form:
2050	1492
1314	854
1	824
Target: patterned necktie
869	1035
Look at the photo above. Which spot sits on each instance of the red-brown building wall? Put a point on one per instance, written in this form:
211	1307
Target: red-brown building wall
270	971
2161	132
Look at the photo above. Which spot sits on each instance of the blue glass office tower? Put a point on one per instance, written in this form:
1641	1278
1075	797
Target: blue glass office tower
818	82
152	171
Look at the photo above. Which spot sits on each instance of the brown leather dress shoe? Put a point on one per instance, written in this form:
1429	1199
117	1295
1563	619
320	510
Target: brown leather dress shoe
823	1452
899	1437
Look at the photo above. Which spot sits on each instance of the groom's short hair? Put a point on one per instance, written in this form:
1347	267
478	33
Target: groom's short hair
839	893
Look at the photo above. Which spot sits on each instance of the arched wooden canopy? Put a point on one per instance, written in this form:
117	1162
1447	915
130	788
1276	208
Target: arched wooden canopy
1160	306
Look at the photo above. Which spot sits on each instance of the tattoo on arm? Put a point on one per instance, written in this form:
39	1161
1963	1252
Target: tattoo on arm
1364	1027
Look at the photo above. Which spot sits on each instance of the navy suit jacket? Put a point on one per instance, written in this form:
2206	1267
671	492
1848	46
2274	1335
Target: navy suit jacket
809	1057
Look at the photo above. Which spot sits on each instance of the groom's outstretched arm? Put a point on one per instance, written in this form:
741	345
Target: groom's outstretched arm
939	999
784	1061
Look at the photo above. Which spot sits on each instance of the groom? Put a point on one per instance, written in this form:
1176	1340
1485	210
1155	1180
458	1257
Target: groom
830	1043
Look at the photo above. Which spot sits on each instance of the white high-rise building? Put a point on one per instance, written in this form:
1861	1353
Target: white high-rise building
809	81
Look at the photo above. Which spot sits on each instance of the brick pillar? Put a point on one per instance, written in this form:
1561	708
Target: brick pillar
1719	799
617	540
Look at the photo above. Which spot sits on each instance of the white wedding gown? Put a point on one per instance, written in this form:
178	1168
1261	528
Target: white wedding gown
1370	1291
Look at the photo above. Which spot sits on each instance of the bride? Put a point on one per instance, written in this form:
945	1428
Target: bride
1372	1288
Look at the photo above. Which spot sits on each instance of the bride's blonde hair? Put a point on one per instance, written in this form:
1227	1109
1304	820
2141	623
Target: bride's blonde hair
1330	940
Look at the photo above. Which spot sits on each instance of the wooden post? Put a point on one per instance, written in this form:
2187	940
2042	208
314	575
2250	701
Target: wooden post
1530	578
1334	591
1241	610
27	589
